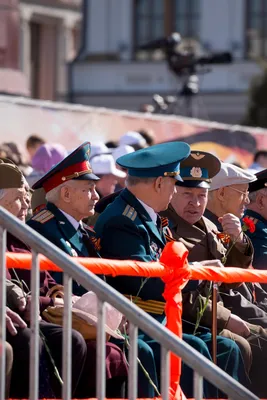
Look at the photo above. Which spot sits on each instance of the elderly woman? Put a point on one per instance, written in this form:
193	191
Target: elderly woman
14	198
44	159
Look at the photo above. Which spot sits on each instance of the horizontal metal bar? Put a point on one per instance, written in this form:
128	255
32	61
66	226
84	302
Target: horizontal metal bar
137	316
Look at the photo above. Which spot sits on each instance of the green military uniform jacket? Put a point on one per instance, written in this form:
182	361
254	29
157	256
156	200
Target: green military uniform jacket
201	241
259	241
54	226
126	231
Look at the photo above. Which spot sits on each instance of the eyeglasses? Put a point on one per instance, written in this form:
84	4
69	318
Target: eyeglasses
244	194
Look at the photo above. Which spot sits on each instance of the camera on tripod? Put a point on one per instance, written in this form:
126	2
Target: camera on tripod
186	65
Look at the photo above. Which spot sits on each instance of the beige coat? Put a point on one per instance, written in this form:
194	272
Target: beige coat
202	242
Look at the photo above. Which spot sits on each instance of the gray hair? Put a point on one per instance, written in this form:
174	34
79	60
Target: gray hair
135	180
54	194
253	195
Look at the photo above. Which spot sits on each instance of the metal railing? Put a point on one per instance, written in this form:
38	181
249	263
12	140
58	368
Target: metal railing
137	318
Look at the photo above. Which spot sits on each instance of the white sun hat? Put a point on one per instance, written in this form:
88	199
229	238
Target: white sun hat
132	138
105	165
230	174
122	150
98	148
86	308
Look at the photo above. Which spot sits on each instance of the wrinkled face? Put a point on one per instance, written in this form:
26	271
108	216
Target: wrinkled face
107	184
190	203
16	201
80	197
235	199
165	190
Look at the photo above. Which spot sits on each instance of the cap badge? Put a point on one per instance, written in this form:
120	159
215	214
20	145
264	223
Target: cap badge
196	172
197	156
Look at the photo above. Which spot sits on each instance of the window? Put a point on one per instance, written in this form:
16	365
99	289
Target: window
256	28
154	19
149	20
187	18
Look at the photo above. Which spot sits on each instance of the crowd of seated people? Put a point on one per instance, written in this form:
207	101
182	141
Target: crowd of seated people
126	200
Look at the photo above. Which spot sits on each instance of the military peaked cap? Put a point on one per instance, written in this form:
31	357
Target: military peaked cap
199	169
159	160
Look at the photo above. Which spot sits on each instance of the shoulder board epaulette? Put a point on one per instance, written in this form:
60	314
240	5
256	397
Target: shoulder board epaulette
88	228
43	216
130	212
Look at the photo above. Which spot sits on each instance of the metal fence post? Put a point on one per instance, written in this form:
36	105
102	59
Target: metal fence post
2	311
67	345
165	373
198	386
34	324
132	376
101	351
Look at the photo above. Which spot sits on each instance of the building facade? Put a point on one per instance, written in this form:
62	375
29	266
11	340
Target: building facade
112	71
37	41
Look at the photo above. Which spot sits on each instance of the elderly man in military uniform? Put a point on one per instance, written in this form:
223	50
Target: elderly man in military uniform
130	228
200	236
71	196
14	198
228	194
257	212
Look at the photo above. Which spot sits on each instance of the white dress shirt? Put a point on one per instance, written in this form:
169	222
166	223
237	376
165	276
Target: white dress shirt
72	220
153	215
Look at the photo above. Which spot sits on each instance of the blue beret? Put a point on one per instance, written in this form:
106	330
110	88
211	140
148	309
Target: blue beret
159	160
199	169
75	166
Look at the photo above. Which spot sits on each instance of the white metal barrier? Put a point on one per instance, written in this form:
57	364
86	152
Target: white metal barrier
137	318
